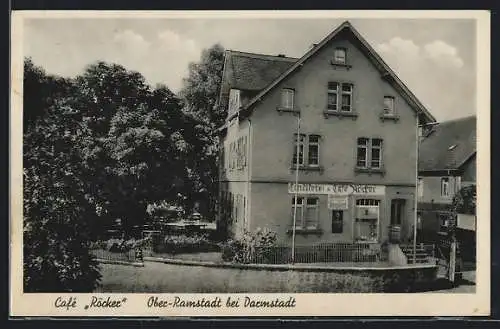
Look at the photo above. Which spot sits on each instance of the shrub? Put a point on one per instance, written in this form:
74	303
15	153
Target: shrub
120	245
185	244
259	245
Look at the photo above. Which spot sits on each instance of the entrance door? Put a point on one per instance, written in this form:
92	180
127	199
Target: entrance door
337	221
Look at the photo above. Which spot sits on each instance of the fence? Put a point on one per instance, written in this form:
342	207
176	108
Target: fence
130	256
320	253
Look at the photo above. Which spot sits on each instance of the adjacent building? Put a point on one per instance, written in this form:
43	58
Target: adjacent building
323	146
447	163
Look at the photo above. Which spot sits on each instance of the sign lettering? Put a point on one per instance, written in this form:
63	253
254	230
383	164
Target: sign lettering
336	189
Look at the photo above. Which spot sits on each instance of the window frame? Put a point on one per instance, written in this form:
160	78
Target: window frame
368	151
337	59
309	146
285	92
393	104
305	145
339	93
301	222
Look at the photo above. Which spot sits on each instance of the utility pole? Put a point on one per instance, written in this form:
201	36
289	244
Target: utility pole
296	186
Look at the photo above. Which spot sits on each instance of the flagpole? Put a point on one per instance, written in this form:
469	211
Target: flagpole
296	187
415	221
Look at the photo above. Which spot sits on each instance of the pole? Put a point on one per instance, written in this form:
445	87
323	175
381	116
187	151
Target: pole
416	196
296	187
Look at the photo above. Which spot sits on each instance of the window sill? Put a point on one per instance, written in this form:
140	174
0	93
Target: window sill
340	114
287	110
380	171
338	64
394	118
307	168
306	231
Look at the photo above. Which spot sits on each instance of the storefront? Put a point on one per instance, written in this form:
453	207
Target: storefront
337	212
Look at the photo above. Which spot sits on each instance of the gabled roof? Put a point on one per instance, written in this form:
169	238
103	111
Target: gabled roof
384	69
448	145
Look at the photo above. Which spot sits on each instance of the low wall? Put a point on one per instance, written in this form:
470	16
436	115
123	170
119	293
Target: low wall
248	278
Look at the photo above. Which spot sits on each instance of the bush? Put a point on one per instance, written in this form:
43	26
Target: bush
250	247
120	245
185	244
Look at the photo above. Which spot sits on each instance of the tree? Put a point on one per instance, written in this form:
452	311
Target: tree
200	94
57	209
464	202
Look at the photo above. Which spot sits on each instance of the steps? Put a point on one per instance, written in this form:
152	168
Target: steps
421	254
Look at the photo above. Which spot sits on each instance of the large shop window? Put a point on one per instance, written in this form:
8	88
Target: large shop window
306	214
367	220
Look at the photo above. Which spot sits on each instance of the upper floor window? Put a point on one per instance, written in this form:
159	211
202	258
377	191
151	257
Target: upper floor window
445	186
306	150
389	109
369	153
287	98
420	187
340	96
339	56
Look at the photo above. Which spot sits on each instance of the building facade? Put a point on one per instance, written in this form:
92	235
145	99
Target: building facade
322	148
447	163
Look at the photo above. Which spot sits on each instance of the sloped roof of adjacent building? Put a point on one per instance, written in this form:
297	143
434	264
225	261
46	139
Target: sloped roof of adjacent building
266	72
251	72
448	145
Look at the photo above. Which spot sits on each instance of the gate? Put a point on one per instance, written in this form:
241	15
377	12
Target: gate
449	260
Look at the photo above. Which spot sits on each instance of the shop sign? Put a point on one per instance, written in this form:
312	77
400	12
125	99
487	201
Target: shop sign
338	202
337	189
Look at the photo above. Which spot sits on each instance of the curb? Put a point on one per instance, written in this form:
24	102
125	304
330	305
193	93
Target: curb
284	267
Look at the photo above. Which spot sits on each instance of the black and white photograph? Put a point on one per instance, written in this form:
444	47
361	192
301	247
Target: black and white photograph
249	155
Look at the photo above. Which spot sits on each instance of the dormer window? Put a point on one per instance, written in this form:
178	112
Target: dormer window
287	99
339	56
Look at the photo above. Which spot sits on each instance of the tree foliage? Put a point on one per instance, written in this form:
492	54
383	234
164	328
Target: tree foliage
103	146
464	202
200	94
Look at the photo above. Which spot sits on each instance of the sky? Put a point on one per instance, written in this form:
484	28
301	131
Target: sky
436	58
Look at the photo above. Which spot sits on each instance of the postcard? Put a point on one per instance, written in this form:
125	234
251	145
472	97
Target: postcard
250	163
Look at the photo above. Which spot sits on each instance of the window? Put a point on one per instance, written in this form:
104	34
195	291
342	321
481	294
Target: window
337	221
339	56
346	97
333	88
445	188
367	220
369	153
298	212
306	213
420	187
340	92
308	150
389	106
287	96
299	146
397	209
313	150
